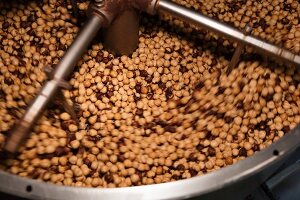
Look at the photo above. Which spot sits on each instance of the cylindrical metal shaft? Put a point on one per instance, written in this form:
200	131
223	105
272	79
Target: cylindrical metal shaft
49	90
193	17
78	47
122	36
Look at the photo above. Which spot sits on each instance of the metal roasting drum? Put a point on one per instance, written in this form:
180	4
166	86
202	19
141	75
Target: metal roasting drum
119	19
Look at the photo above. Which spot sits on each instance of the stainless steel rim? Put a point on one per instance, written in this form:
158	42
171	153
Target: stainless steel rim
261	166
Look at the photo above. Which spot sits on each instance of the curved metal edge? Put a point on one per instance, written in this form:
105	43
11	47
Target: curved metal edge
261	161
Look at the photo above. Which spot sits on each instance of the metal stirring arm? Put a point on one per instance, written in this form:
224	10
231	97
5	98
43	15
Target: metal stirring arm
51	88
101	14
193	17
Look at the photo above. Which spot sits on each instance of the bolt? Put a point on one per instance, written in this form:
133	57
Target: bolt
98	3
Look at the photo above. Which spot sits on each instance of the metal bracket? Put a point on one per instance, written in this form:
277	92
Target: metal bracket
61	97
238	51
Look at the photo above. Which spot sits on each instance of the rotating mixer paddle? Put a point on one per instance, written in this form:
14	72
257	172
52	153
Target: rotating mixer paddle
120	20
